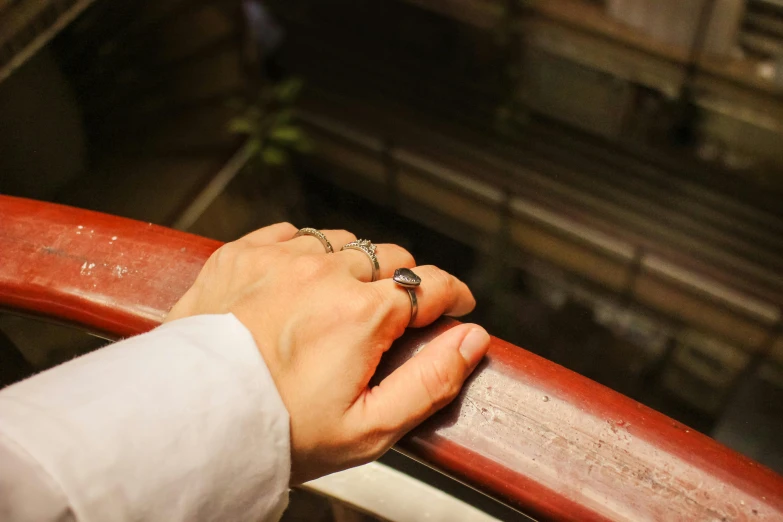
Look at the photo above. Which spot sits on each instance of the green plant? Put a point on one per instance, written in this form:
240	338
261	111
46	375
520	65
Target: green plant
269	124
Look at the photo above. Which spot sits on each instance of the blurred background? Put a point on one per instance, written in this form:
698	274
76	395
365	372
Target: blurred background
605	174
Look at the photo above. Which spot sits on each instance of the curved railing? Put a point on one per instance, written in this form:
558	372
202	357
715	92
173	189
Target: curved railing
526	431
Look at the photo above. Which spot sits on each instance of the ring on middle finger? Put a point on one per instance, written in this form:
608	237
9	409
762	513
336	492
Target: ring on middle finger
366	246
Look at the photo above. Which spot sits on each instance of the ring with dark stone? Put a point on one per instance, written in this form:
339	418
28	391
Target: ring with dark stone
406	278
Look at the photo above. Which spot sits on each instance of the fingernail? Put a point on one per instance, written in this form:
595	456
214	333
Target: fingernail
474	346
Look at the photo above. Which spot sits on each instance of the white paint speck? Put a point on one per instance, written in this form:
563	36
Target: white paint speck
114	238
119	271
80	227
86	268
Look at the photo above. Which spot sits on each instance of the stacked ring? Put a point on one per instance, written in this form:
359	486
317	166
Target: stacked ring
366	246
307	231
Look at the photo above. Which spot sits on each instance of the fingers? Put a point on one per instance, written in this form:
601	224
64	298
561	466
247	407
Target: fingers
269	235
426	382
312	245
439	293
390	258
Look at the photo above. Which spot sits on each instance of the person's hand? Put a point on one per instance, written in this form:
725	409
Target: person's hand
322	328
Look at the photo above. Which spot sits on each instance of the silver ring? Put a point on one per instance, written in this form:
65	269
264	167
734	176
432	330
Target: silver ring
307	231
366	246
406	278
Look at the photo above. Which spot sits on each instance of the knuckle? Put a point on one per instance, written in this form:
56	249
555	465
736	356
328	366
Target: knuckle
380	302
358	307
374	303
372	299
406	258
286	228
350	236
309	267
225	254
285	248
245	260
440	278
440	385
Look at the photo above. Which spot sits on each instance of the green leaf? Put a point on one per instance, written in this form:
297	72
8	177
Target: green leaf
304	145
274	156
241	125
283	116
288	90
286	134
254	146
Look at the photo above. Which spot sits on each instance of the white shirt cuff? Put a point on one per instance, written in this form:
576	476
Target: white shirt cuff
183	423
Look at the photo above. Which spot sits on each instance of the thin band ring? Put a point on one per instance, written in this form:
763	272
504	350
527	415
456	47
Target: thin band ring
366	246
414	305
307	231
407	279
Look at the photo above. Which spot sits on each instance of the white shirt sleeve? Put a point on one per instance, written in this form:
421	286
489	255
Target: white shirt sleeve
183	423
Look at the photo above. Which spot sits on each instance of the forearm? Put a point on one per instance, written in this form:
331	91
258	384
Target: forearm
182	423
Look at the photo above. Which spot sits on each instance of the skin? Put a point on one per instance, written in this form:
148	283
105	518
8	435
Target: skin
322	327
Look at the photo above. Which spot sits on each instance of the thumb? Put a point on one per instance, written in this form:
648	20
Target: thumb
428	381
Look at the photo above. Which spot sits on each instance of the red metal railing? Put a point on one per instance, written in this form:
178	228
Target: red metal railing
537	436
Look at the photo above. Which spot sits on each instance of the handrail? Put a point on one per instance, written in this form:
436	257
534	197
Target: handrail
541	438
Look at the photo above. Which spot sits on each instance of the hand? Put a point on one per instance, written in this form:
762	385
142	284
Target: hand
322	328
